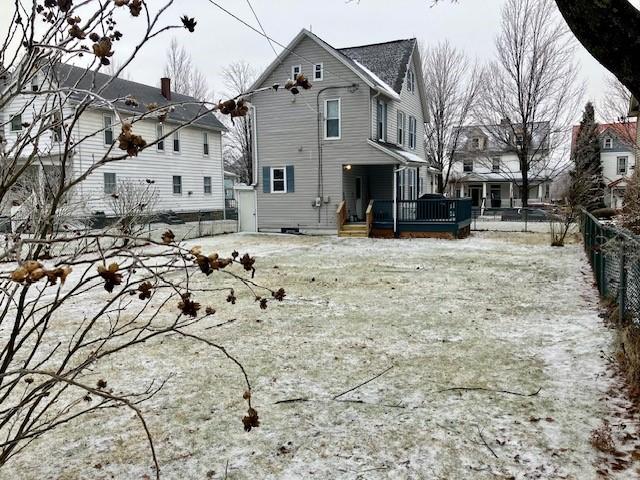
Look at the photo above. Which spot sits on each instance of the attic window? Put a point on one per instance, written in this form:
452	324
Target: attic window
476	143
295	71
318	72
608	143
35	85
411	81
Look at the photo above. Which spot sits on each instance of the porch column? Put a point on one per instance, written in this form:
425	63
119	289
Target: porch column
511	194
461	190
484	197
541	191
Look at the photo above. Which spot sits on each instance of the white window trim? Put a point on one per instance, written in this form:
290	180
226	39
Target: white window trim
321	72
293	68
271	179
413	130
608	143
401	127
108	126
326	119
181	185
104	183
176	135
411	81
204	185
205	141
159	135
384	120
626	165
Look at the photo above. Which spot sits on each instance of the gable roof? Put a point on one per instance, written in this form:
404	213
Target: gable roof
494	134
72	76
625	132
387	60
368	62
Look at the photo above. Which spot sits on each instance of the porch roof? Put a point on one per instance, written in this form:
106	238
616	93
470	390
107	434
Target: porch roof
402	156
499	178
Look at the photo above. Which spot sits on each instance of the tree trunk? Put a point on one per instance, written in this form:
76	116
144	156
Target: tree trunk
524	168
610	31
440	183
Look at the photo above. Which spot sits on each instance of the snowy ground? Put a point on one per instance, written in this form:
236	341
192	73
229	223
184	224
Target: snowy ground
501	311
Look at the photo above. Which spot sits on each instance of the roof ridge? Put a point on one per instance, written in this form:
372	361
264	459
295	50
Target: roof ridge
122	79
413	39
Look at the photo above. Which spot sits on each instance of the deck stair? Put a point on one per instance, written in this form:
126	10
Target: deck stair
354	230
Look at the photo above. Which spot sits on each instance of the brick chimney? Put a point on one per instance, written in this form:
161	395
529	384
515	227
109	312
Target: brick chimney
165	88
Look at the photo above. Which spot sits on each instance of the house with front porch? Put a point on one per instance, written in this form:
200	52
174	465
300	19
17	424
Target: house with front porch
486	167
343	155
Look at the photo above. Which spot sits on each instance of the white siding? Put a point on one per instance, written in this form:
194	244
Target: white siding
190	163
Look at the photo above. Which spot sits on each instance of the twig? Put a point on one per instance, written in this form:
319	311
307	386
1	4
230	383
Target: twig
362	384
292	400
221	324
482	389
485	443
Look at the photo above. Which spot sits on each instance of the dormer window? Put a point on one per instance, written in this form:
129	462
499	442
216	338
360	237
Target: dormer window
608	143
295	71
476	143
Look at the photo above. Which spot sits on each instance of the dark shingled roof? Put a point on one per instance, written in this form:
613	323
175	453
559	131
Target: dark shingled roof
69	75
387	60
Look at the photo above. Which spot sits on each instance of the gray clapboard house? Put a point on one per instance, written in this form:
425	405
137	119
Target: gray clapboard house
324	156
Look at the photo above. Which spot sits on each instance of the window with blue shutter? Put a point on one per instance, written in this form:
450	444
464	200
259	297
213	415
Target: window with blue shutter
290	179
266	179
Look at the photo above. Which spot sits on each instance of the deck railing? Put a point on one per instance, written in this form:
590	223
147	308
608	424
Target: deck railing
341	214
369	218
443	210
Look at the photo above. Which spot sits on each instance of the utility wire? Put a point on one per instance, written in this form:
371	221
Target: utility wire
231	14
262	28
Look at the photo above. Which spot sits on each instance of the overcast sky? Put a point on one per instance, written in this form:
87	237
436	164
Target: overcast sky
470	25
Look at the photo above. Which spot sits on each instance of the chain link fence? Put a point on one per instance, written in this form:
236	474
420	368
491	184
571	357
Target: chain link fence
614	255
512	220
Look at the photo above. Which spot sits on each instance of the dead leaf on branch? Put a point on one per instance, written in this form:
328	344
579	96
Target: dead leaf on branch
110	275
130	142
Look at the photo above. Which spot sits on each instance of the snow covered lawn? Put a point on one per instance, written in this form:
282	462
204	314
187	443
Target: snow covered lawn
497	311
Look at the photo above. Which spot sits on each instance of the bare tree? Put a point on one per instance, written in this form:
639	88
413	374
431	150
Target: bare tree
58	329
452	84
614	109
186	78
531	93
238	149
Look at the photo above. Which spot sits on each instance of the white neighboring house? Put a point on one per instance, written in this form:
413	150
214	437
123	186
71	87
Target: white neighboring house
618	159
185	169
489	172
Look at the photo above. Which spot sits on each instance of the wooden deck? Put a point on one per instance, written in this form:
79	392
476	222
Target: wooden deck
440	218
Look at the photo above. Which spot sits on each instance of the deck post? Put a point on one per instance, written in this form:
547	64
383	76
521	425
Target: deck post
395	199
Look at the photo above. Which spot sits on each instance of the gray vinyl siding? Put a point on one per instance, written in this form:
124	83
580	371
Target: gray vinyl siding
287	136
287	129
411	105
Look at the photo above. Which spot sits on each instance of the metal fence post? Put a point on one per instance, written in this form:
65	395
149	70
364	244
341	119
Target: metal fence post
622	286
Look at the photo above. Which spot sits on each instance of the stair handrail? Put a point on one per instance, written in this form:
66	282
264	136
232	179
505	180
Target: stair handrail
369	218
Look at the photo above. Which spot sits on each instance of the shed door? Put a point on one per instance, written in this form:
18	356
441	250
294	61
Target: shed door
246	210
